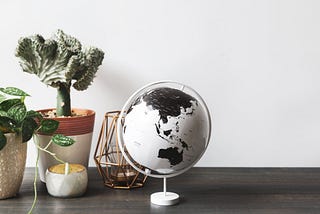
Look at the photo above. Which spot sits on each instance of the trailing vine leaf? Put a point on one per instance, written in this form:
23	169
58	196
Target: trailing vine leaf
14	91
7	104
6	124
34	114
62	140
18	112
48	126
29	125
3	140
14	118
3	114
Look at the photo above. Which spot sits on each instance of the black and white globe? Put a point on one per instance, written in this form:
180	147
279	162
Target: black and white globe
165	129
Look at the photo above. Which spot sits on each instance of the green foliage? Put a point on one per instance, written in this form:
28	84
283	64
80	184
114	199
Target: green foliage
34	114
62	140
14	91
18	112
29	125
5	105
48	126
60	62
14	118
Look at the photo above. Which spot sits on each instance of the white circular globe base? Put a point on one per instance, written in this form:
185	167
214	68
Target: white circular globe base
164	199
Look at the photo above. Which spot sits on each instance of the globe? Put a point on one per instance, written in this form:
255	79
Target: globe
165	129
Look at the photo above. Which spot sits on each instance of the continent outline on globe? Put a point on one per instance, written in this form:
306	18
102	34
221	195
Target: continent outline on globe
171	104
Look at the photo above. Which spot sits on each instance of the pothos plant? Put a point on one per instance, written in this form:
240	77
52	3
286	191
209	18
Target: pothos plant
15	118
60	62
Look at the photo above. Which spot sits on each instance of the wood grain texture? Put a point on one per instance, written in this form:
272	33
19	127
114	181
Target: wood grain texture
202	190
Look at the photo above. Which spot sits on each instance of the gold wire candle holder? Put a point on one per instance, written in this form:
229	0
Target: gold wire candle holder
116	172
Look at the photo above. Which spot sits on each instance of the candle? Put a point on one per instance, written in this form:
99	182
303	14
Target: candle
122	175
66	180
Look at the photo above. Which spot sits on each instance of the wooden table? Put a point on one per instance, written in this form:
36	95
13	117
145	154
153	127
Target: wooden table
202	190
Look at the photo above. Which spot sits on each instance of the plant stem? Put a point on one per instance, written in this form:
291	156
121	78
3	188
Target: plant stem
35	183
63	100
36	142
47	146
50	153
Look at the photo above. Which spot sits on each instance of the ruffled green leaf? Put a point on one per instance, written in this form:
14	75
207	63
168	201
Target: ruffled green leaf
47	58
59	60
87	68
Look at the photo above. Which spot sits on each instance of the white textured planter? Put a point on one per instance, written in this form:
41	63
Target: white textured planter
62	185
12	165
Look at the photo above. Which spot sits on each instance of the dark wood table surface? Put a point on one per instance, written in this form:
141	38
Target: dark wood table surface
202	190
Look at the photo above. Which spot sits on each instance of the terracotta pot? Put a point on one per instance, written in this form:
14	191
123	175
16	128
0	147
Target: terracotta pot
12	164
79	128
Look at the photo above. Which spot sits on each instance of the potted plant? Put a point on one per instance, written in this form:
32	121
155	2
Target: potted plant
17	126
61	62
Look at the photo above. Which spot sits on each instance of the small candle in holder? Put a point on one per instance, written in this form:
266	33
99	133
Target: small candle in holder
122	175
66	180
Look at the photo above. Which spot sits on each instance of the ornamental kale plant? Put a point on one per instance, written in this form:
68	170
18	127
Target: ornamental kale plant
59	62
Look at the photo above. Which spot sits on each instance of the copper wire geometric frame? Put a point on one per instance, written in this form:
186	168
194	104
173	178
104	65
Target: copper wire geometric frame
116	172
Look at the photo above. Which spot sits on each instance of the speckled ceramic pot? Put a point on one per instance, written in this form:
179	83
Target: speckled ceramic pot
12	164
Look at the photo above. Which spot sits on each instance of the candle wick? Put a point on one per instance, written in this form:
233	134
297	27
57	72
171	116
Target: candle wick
66	169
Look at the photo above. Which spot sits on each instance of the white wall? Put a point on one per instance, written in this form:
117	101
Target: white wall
256	63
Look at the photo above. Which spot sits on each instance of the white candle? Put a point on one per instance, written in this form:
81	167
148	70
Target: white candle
67	180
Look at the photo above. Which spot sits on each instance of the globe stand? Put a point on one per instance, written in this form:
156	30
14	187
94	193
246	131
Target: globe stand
164	198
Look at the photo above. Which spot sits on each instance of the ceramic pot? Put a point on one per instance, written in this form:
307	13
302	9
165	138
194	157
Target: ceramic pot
79	128
12	164
73	184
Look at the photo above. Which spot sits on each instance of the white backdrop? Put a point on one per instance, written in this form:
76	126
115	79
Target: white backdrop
256	63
